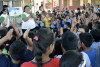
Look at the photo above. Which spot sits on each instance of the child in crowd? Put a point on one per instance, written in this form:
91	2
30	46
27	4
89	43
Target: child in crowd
72	58
86	40
43	46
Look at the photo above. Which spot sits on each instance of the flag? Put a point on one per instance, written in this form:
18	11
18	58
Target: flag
48	1
29	4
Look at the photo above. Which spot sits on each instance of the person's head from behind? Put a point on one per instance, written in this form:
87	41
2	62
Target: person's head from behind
57	49
72	58
86	40
68	25
43	44
82	29
69	41
96	25
27	9
96	35
17	50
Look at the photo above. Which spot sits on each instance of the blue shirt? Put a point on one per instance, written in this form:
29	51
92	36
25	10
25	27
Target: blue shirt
59	24
53	24
42	24
64	25
6	62
96	10
95	45
91	55
36	24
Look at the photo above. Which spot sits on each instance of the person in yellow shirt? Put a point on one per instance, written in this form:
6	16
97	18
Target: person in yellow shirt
47	21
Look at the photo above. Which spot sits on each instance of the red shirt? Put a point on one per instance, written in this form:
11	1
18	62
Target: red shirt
51	63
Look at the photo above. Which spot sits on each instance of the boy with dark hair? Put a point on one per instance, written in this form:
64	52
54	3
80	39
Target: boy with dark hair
17	51
86	40
96	36
83	28
67	59
96	25
70	42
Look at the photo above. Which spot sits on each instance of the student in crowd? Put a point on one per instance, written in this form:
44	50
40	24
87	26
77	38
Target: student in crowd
5	23
54	23
86	40
72	58
82	29
96	45
43	46
17	50
47	20
70	42
28	19
66	20
96	36
96	25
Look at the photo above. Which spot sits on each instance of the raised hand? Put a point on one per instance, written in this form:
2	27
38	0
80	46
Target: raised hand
26	33
9	34
13	23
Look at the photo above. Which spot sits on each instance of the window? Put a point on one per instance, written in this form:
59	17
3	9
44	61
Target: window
76	2
65	2
17	3
96	2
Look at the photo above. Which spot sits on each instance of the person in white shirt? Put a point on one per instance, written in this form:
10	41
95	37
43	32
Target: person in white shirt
28	19
4	19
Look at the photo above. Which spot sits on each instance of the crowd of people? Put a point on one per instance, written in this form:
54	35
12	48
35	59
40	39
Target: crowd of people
62	38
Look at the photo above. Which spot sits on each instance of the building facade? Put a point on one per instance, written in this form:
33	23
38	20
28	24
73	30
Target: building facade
21	3
48	4
74	4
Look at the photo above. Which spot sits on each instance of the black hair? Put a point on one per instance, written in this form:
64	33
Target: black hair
85	27
86	38
68	24
90	25
97	24
98	14
58	50
96	34
17	50
5	6
71	58
2	11
45	39
39	7
69	41
25	7
3	32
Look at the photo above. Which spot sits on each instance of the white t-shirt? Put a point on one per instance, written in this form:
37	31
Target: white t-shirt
3	18
29	23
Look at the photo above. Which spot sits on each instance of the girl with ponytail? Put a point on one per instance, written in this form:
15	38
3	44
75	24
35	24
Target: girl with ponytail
43	46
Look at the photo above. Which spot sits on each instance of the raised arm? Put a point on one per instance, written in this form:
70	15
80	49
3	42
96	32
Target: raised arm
16	29
7	37
24	18
33	16
28	40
